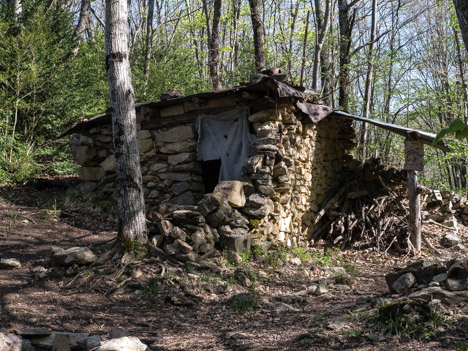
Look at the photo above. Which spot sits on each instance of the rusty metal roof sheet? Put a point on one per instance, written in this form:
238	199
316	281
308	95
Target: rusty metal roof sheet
318	112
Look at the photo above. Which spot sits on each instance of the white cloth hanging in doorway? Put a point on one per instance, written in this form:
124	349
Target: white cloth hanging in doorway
224	136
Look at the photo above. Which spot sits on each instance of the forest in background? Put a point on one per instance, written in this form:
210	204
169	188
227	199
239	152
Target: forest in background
397	61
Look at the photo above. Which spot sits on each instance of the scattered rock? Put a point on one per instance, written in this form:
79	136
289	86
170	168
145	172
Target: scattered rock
74	255
234	257
9	263
321	289
295	261
75	339
450	240
284	307
116	332
435	292
404	283
238	336
126	343
10	342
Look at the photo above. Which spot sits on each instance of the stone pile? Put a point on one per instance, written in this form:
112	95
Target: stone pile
446	281
44	339
444	207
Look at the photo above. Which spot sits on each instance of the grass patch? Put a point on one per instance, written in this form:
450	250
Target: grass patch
245	302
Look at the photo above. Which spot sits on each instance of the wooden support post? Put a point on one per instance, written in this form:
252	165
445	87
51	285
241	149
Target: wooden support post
414	210
414	161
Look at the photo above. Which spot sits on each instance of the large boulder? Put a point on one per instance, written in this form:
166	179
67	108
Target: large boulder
237	241
233	191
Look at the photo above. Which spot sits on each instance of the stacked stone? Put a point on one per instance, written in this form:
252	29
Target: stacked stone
173	173
444	207
168	163
295	167
189	233
94	153
295	164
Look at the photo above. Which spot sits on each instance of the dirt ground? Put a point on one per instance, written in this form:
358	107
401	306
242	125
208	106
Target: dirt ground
180	308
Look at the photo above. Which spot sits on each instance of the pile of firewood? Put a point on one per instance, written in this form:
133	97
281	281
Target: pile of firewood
370	211
373	210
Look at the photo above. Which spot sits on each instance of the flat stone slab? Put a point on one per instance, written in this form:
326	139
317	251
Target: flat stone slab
74	255
75	339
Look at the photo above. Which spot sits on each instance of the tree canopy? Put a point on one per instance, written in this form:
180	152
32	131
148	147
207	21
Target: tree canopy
409	69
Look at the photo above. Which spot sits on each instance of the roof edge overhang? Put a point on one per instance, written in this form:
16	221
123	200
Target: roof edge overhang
317	112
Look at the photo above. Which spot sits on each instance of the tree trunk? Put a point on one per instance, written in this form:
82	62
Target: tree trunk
323	23
346	22
304	49
369	79
259	35
149	43
131	205
17	9
461	6
85	13
294	12
213	44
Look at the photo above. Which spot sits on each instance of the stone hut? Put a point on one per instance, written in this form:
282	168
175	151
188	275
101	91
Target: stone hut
254	162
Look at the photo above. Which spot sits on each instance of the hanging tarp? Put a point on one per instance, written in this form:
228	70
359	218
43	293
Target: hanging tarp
224	136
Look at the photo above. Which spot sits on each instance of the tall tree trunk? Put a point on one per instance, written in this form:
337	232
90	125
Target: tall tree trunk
304	48
236	4
259	35
213	42
17	8
294	12
149	42
461	6
323	23
131	205
346	22
461	67
85	14
326	73
369	80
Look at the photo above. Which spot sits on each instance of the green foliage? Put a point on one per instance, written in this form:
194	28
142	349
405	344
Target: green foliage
456	127
245	302
410	319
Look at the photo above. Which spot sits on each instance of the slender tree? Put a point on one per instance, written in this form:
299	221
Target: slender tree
213	41
347	18
85	14
323	19
369	79
259	35
131	206
461	6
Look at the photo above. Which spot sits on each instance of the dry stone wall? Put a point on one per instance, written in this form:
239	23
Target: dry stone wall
295	165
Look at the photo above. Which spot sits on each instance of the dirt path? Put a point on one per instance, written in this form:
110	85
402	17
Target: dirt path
283	313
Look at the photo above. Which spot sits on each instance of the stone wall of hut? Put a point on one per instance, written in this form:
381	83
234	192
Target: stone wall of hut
295	165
